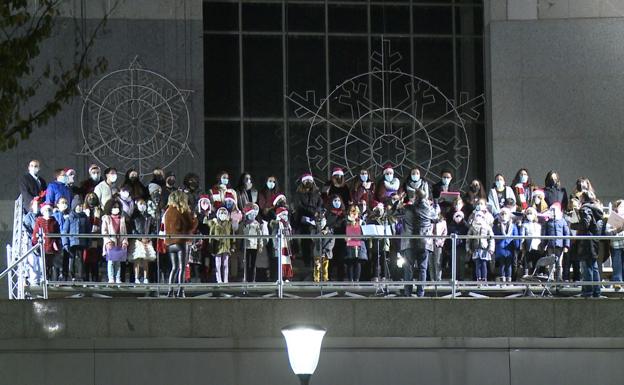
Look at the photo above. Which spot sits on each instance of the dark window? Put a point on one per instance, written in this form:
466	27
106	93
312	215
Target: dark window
220	16
221	79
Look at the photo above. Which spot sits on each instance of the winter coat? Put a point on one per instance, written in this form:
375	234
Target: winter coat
243	197
49	226
61	219
29	189
306	204
493	202
386	189
76	223
359	193
484	242
110	235
217	227
410	188
418	219
460	228
590	223
505	247
143	224
554	194
530	230
440	229
265	202
178	223
57	190
556	227
352	243
254	228
104	192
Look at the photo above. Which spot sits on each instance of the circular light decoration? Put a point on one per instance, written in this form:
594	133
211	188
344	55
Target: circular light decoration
135	118
387	116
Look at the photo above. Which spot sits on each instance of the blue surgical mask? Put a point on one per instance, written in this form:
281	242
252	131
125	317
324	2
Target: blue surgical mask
415	177
524	178
389	177
446	181
336	204
229	205
499	184
225	181
364	177
270	185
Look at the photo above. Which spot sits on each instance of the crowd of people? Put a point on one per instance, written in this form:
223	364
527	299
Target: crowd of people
104	204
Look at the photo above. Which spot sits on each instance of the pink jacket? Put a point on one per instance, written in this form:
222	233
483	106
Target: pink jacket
440	229
108	229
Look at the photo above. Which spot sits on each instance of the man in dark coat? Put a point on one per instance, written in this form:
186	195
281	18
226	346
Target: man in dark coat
591	223
419	219
31	184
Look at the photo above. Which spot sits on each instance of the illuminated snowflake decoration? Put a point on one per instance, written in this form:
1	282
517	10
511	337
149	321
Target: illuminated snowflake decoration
135	118
387	116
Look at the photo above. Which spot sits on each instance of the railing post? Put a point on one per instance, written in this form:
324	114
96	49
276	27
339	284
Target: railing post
280	278
44	273
10	274
453	264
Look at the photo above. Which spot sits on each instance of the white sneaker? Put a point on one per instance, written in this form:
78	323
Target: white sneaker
145	280
111	281
137	281
118	281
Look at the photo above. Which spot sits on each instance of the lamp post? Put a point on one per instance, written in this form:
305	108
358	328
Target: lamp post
303	343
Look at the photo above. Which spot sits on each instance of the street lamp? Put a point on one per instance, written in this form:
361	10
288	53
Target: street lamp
303	343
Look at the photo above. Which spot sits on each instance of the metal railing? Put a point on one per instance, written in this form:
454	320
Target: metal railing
16	265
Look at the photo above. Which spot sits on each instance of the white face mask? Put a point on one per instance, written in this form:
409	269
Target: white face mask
225	181
33	171
499	184
142	207
204	205
336	204
251	215
70	179
113	178
115	211
62	207
415	177
95	176
124	194
388	177
524	178
46	213
446	181
248	185
222	217
530	217
270	185
363	177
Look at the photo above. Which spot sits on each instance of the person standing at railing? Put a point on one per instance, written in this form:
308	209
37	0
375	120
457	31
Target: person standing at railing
418	219
76	223
58	188
204	216
93	254
437	263
556	225
141	251
505	247
28	220
31	184
252	246
61	214
306	203
356	249
482	248
337	223
178	220
281	225
617	246
591	223
457	225
51	246
221	248
531	245
115	245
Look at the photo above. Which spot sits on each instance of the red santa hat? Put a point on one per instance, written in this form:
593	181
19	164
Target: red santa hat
69	171
229	196
203	198
337	171
281	210
307	177
277	198
539	192
45	206
388	167
248	208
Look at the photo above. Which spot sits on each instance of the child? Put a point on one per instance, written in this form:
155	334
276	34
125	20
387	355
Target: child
356	251
127	205
92	255
222	248
480	249
51	246
557	225
200	255
458	226
505	247
435	268
282	225
323	247
33	268
252	246
76	223
115	247
61	214
531	246
142	250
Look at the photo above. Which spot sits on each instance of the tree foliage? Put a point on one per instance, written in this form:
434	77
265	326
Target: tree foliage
25	28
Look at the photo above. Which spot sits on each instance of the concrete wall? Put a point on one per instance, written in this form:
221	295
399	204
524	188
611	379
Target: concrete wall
555	87
167	38
238	341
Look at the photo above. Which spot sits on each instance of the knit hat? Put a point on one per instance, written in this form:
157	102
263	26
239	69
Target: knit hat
152	187
307	177
337	171
277	198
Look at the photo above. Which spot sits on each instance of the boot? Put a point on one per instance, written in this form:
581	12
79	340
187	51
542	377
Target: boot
170	293
317	269
180	293
325	263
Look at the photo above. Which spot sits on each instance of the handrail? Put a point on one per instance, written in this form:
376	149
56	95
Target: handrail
18	261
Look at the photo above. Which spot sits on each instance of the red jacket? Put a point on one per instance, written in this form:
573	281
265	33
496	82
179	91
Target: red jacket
49	226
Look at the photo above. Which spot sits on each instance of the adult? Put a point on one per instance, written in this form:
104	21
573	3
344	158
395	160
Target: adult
591	223
474	194
443	185
364	191
220	189
388	186
58	188
105	189
266	196
553	192
170	186
523	187
419	220
191	188
31	184
179	220
158	176
246	191
134	185
94	178
337	223
336	186
498	194
307	203
415	181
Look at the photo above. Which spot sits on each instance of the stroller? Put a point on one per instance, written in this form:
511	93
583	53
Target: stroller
549	263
